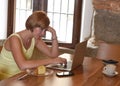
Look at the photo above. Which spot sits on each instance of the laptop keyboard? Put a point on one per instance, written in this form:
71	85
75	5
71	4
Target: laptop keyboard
60	65
68	65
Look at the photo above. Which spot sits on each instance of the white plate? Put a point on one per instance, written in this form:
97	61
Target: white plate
47	73
111	75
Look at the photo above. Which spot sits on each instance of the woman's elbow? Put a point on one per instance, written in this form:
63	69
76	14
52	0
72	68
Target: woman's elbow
22	67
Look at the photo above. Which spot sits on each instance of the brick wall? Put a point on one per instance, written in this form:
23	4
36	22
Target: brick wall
109	5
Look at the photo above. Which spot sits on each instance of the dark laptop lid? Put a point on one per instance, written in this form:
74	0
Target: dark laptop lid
80	51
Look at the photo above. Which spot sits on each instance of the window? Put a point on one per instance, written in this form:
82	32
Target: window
3	18
61	14
56	11
65	17
23	10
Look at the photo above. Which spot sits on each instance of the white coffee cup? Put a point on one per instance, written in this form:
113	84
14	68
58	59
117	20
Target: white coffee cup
109	69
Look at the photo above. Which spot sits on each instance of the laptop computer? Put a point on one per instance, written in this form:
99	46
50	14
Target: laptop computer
73	60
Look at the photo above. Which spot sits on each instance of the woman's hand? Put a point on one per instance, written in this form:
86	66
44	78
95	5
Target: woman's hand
60	60
50	29
53	32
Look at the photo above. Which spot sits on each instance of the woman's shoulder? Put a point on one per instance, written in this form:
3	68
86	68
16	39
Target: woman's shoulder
13	36
11	39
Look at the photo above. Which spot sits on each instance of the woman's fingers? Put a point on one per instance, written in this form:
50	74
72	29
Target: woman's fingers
61	60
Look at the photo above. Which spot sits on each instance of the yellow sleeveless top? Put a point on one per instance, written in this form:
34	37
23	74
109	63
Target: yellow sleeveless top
8	66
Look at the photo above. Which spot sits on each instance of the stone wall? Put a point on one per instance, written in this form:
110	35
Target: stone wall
107	20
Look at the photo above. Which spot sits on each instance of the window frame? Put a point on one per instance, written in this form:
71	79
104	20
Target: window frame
42	5
10	20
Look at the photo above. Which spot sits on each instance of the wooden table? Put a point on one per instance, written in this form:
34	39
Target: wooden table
90	74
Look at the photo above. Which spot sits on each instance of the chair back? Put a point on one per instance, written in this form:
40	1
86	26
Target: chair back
108	51
0	48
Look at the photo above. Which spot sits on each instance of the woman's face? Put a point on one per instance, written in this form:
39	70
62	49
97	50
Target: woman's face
38	32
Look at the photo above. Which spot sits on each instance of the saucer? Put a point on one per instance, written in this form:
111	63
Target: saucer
110	61
111	75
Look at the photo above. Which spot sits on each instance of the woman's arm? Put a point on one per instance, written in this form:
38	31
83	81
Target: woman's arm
16	49
49	51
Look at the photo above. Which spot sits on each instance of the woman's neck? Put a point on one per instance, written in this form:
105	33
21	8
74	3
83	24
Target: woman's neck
26	36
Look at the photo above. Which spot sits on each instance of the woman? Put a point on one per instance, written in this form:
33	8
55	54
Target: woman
18	47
